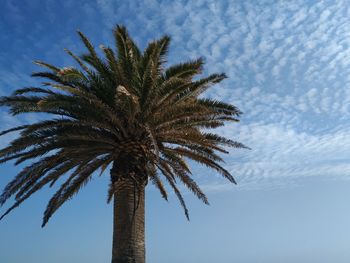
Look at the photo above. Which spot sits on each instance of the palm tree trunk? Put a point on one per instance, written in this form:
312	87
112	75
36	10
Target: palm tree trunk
129	223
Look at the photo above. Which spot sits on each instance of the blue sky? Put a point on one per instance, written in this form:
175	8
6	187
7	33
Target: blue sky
288	64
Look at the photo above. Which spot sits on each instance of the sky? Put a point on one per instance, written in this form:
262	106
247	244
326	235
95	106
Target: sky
288	64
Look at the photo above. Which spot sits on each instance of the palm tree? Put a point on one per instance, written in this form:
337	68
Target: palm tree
126	110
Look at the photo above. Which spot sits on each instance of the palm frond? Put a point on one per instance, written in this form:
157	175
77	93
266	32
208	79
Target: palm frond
124	107
72	186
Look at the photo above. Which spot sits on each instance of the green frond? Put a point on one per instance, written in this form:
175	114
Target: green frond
46	65
31	180
19	99
22	196
48	75
153	59
113	64
32	90
220	107
189	183
87	44
153	176
169	177
125	104
128	60
72	186
71	75
198	87
201	159
185	70
98	64
156	51
126	47
79	61
18	128
224	141
34	170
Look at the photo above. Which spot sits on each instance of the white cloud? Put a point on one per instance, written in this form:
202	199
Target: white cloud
289	69
284	153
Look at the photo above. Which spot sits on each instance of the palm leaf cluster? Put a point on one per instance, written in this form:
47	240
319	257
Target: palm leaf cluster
125	108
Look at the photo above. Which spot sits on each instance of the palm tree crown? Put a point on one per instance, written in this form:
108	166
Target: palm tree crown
125	109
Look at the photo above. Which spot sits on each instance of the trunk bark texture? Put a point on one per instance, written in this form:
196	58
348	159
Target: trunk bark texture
129	222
